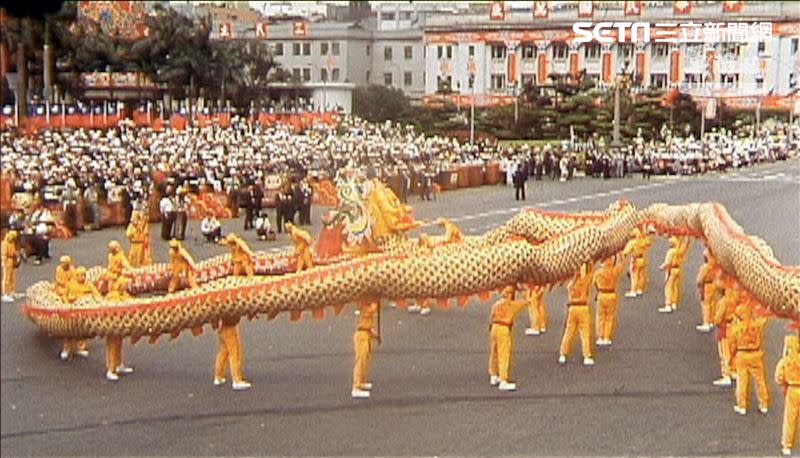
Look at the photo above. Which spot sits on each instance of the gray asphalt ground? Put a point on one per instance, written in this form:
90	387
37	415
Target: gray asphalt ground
650	394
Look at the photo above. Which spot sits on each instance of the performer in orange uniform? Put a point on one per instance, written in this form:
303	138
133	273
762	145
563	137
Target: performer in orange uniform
302	246
80	287
537	311
65	274
708	290
114	365
139	237
10	254
605	280
452	233
362	342
243	258
231	352
747	340
674	273
501	339
117	261
638	248
787	374
579	317
723	318
182	265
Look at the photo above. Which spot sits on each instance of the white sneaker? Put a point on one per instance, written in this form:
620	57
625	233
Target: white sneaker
607	342
763	411
6	298
543	330
494	380
64	355
588	362
425	311
219	381
674	307
599	342
359	394
665	309
734	376
507	386
786	452
123	369
630	294
739	410
531	332
639	293
243	385
414	308
111	377
562	359
366	386
83	353
703	328
724	381
393	304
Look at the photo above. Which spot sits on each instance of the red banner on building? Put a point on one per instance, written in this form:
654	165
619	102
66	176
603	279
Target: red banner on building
675	67
607	67
541	68
512	67
585	9
497	11
541	9
682	7
633	8
573	64
640	66
734	6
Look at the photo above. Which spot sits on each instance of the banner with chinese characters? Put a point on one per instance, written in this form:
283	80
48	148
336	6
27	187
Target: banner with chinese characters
585	9
497	11
541	9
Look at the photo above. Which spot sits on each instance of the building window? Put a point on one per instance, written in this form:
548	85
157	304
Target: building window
658	80
471	51
306	49
323	74
295	49
444	84
439	52
408	52
471	81
323	49
792	80
730	80
278	49
529	52
387	53
693	79
387	16
560	51
499	51
408	79
660	49
498	82
795	44
406	15
306	74
335	48
368	75
528	79
335	74
449	52
369	50
296	74
387	79
730	49
762	47
759	82
592	51
625	50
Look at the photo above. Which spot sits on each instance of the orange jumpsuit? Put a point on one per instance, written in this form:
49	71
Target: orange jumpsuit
243	259
230	351
181	265
10	254
81	288
579	317
64	276
723	318
138	237
537	308
116	292
747	339
605	280
302	247
452	233
501	339
672	265
787	374
117	263
638	248
708	288
362	343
